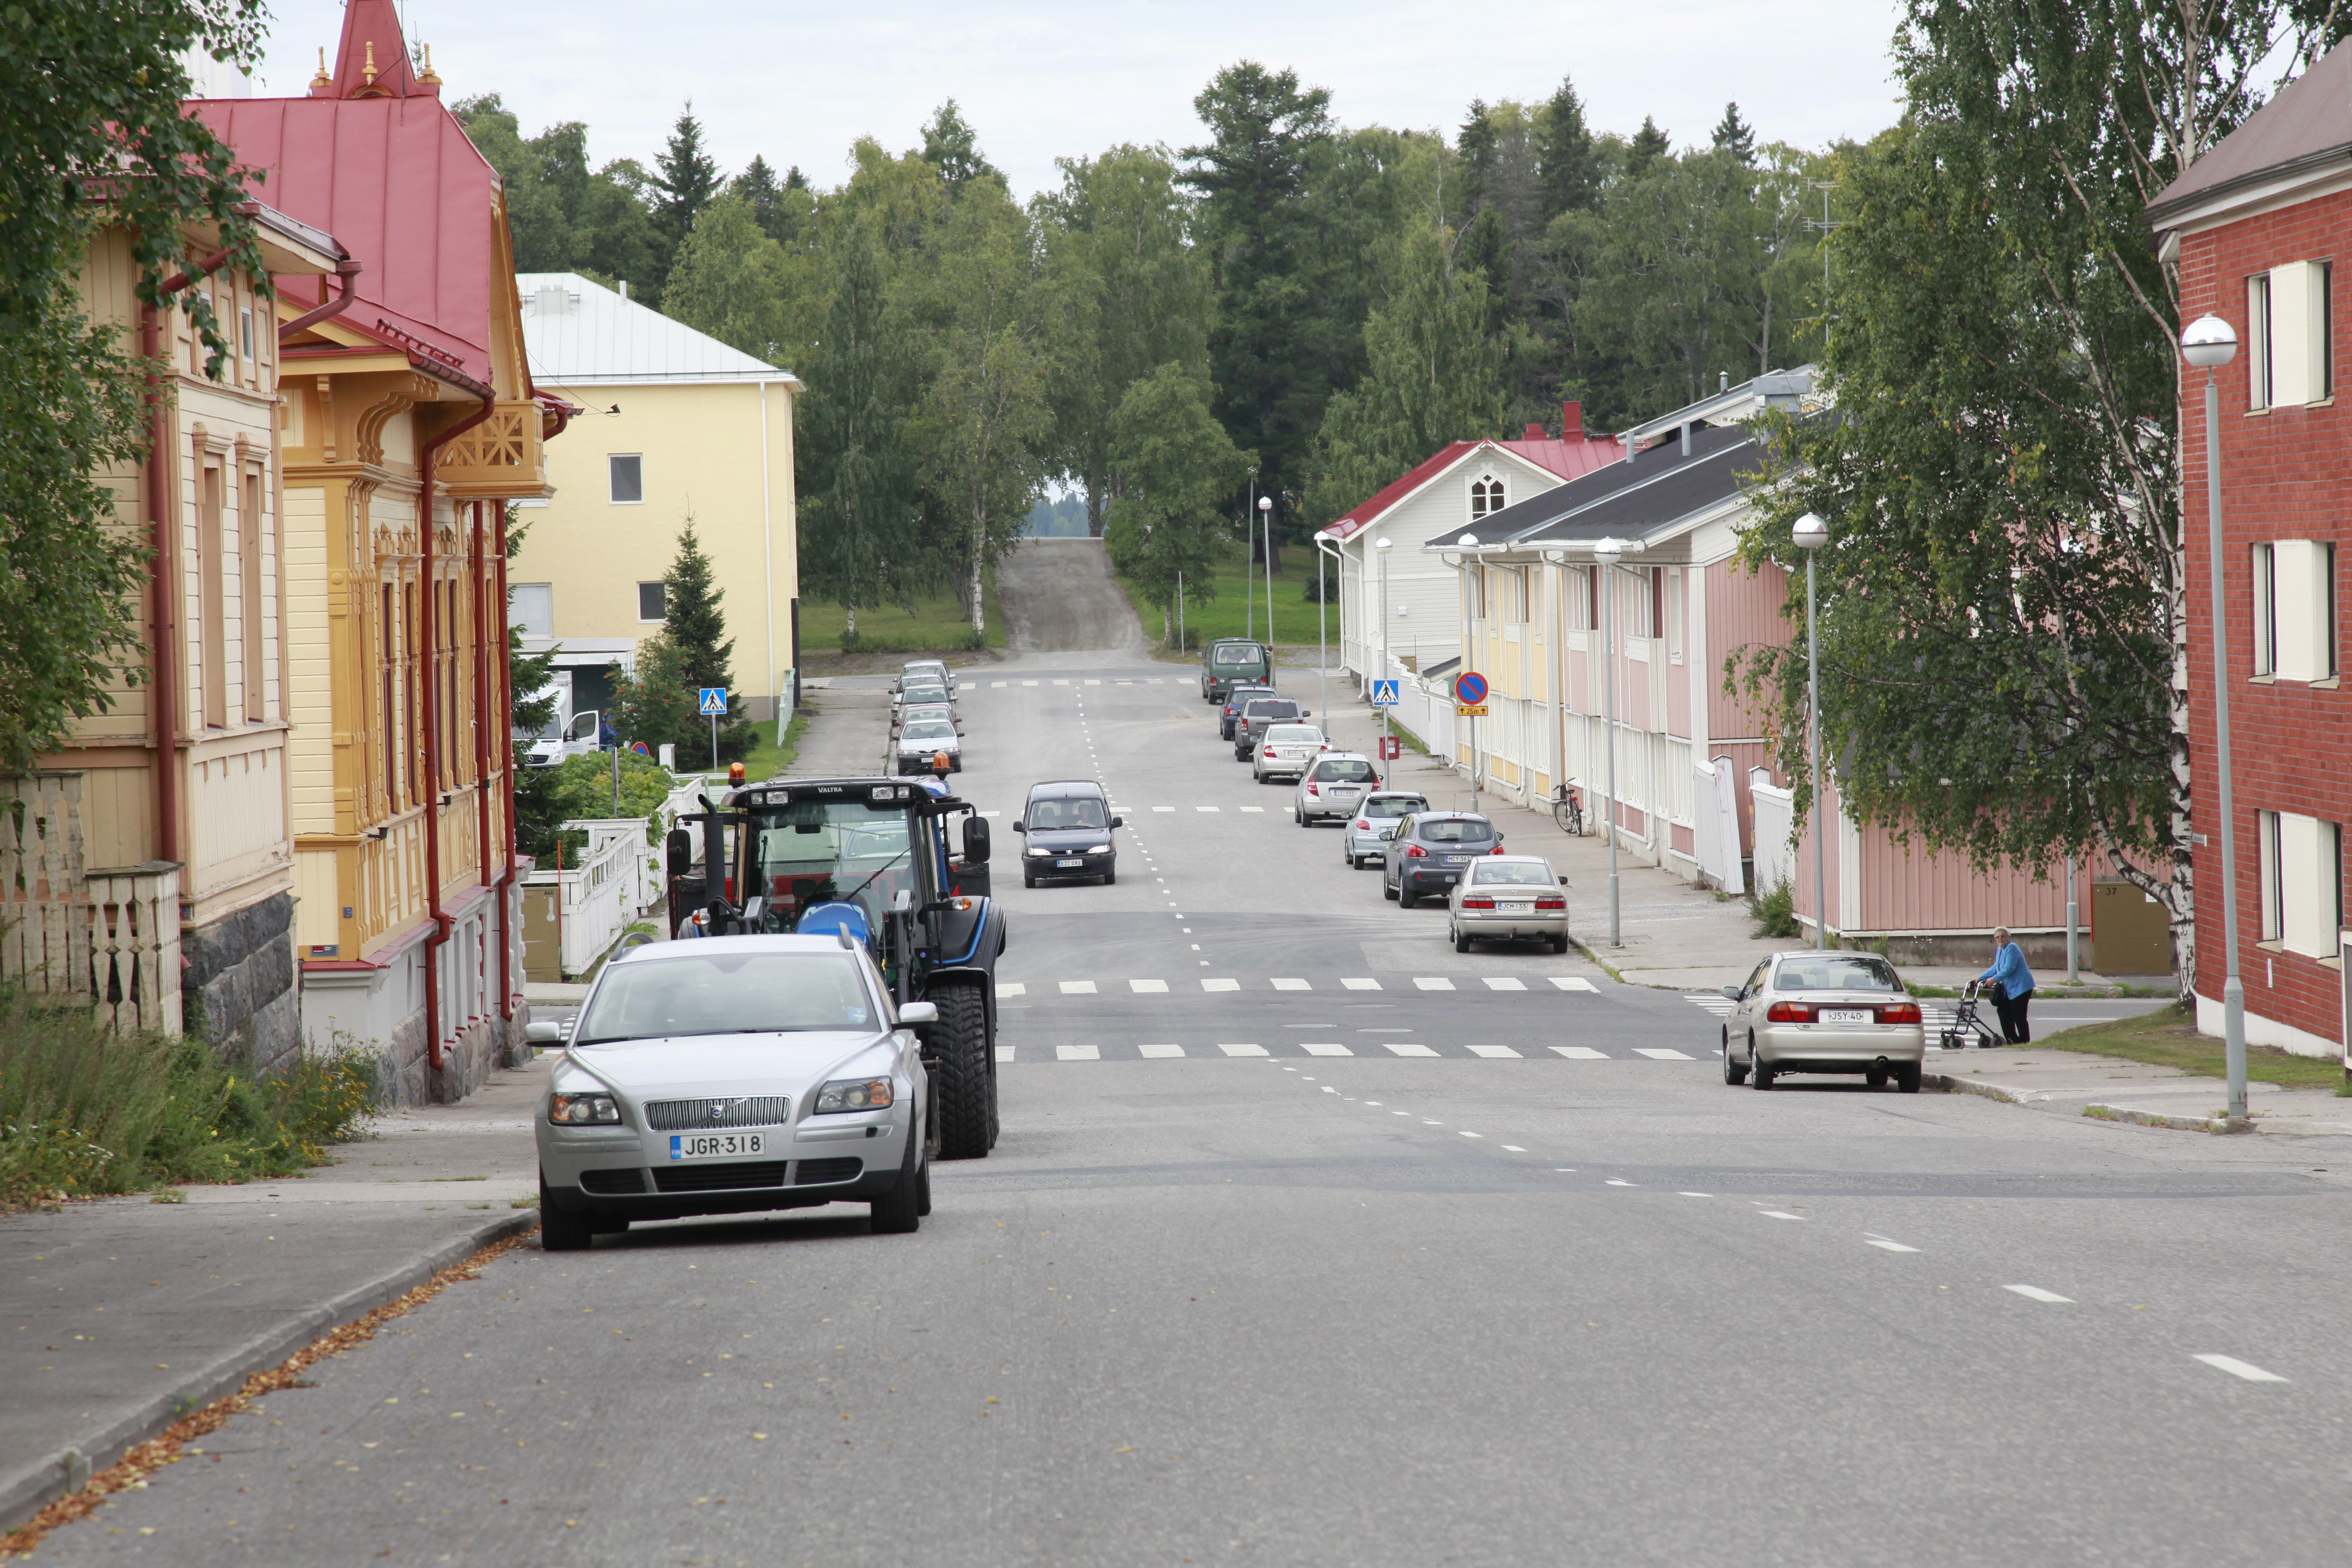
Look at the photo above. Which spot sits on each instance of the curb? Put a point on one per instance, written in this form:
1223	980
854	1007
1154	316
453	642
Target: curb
1951	1085
28	1490
2159	1119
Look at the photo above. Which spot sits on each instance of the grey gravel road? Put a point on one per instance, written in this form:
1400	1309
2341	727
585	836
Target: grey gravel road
1569	1299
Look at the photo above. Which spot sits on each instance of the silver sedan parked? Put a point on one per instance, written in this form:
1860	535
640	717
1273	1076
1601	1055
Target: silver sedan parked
1334	786
1366	835
1285	751
1509	898
1823	1011
732	1075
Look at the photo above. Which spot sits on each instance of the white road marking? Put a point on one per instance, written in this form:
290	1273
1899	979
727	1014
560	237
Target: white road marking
1153	986
1694	1195
1359	983
1061	683
1473	1134
1492	1051
1433	982
1004	1053
1407	1048
1563	1170
1881	1242
1574	982
1154	1051
1515	1149
1328	1090
1615	1182
1581	1053
1663	1054
1426	1123
1078	1053
1163	808
1012	988
2036	1293
1256	808
1205	808
1504	983
1028	683
1243	1050
1098	683
1217	984
1783	1214
1321	1049
1077	987
996	685
2237	1368
1374	1103
1406	1114
1292	985
992	814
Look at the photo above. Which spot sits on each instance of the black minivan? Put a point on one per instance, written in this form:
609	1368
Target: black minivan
1230	659
1066	831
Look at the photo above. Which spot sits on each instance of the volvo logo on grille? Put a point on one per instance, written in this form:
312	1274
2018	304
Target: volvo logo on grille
718	1110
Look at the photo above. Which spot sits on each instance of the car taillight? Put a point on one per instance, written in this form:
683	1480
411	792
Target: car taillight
1899	1013
1415	852
1312	790
1365	825
1789	1013
1551	903
1478	903
1267	754
1497	849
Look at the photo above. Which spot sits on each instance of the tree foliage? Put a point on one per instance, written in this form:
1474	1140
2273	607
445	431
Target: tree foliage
1170	469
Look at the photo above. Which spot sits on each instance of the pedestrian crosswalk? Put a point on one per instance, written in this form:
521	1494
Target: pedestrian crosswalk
1139	681
1217	984
1377	1050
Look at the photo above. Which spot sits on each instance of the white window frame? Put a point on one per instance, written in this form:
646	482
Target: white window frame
2262	573
2258	341
516	616
2272	899
643	619
1675	613
1488	495
613	475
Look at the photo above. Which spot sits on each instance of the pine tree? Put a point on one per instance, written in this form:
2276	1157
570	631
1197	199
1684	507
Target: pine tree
952	147
1569	173
1735	136
687	181
757	185
695	627
1649	145
1477	142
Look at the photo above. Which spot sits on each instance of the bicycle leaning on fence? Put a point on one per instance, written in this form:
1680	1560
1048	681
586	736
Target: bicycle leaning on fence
1568	809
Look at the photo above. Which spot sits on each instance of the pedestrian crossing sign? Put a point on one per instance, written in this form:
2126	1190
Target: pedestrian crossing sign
714	701
1384	693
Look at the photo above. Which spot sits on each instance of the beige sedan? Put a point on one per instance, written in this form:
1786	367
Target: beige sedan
1509	898
1815	1012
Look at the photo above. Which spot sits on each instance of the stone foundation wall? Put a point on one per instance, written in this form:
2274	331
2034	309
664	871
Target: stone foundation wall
238	988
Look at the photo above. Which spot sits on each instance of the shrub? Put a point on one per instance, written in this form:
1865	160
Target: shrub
1776	911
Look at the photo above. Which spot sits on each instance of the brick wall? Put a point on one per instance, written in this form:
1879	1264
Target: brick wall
2285	473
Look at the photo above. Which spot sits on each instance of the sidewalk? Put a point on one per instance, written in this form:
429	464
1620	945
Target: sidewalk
2064	1082
125	1314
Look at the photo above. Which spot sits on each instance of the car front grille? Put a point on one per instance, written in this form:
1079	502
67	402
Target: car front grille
693	1115
812	1173
608	1183
719	1178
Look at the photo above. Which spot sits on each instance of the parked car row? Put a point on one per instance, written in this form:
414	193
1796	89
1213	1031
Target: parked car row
925	724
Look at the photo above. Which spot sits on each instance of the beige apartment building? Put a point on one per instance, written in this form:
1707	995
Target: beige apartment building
678	425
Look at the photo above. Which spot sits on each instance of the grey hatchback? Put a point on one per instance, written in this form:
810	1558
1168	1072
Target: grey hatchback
1426	852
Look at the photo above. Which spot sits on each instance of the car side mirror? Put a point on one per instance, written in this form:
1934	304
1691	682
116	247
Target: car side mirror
1564	882
1733	991
679	850
1020	827
543	1032
1306	712
1118	822
975	841
918	1013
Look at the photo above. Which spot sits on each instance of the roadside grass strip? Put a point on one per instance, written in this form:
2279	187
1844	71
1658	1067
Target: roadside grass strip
2169	1037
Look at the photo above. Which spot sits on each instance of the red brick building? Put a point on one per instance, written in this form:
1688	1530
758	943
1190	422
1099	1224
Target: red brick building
2258	227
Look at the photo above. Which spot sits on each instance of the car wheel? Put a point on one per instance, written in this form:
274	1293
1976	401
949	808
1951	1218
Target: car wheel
1734	1073
1406	897
900	1209
1388	889
1027	880
1460	942
1759	1076
560	1230
923	1189
962	1040
1559	944
1875	1078
1906	1078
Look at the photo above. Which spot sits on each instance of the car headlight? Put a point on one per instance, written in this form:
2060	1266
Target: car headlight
854	1094
579	1109
1098	849
1041	851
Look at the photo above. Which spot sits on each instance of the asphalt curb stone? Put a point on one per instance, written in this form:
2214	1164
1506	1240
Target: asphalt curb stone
25	1490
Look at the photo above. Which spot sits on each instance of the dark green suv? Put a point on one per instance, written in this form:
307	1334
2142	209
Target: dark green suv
1232	660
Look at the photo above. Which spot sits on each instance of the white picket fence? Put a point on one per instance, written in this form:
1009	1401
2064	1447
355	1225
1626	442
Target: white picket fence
622	878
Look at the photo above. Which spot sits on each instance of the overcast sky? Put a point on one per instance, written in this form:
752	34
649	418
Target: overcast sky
1046	79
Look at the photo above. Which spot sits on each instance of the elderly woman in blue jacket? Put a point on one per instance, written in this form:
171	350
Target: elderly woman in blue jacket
2012	988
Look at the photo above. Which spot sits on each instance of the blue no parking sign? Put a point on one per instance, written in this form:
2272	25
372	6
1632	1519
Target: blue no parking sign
1470	689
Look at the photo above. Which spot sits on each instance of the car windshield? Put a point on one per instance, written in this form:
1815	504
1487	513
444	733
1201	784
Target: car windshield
929	729
933	672
822	850
1272	708
1346	770
1292	735
1514	874
1837	974
1455	830
1241	653
726	993
915	694
929	711
1066	812
1394	805
1242	694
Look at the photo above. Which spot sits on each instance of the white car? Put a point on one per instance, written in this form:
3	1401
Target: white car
921	740
734	1075
1334	787
1285	751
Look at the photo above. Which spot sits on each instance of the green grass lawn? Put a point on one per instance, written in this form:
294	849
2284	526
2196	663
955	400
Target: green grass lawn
1229	615
2169	1037
935	624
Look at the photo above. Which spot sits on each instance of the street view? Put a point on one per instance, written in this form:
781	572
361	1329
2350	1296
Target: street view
1214	797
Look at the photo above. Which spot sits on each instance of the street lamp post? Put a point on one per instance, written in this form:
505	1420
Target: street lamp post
1606	553
2210	342
1811	533
1382	547
1322	631
1266	513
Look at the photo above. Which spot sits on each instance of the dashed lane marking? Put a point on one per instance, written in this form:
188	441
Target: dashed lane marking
1205	808
1581	1053
1433	982
1883	1245
1077	987
1359	983
1221	984
1012	988
1505	982
1078	1053
1291	985
1574	982
2236	1368
2036	1293
1492	1051
1163	808
1152	1051
1326	1049
1665	1054
1004	1053
1147	986
1407	1048
1779	1214
1243	1050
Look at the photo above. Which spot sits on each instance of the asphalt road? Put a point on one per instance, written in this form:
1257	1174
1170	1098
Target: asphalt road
1566	1300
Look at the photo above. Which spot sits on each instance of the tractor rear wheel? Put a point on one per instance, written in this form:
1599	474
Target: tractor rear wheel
967	1077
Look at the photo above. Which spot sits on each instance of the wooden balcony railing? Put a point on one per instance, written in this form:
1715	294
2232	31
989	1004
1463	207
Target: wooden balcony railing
501	457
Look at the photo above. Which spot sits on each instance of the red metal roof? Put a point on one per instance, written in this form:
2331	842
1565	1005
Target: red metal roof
1569	459
383	166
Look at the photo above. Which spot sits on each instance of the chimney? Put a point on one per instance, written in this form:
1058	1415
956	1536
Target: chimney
1535	432
1572	421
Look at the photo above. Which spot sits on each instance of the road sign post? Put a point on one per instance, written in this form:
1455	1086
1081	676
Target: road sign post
714	707
1470	702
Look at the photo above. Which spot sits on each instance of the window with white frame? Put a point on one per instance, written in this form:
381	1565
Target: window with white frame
2290	318
1642	589
1576	597
531	606
1485	495
2295	609
2302	881
653	600
1510	594
628	477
